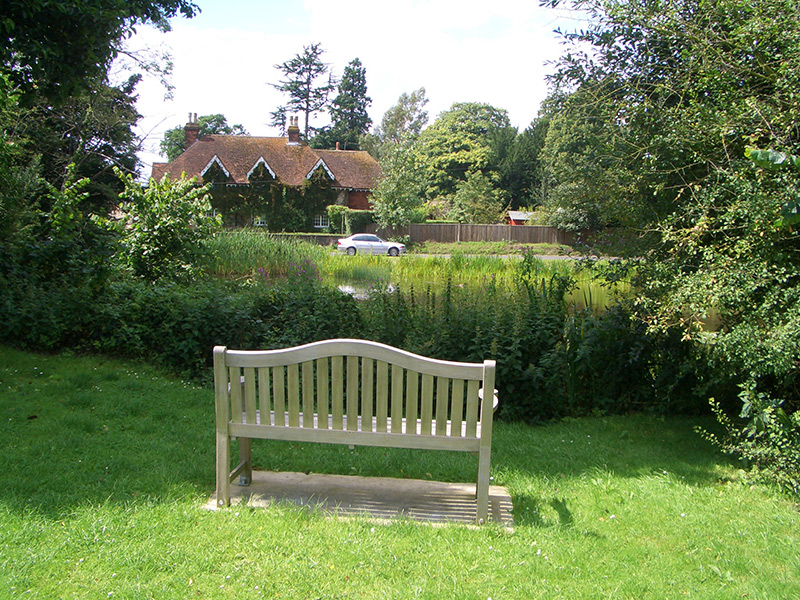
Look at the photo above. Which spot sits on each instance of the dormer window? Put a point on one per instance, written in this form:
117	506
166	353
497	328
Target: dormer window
215	171
261	172
320	164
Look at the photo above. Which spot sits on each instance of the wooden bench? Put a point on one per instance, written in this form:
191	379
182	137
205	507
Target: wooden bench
352	392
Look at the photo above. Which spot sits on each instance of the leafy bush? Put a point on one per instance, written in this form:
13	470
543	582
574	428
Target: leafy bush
163	227
347	220
769	444
53	277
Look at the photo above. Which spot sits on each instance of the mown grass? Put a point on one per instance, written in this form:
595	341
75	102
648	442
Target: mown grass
107	466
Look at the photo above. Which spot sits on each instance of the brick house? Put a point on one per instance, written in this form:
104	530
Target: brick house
235	160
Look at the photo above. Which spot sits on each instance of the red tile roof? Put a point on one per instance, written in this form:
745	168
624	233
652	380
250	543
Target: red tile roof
291	163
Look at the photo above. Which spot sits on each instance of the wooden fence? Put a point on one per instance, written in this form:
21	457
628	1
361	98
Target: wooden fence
461	232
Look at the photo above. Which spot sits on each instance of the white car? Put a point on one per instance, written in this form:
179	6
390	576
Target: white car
369	244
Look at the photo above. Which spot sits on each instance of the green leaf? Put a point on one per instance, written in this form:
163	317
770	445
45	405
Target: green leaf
771	159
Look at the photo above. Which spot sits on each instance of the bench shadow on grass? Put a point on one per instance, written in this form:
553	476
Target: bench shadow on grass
538	463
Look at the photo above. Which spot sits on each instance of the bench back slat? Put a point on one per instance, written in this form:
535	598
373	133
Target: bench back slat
279	396
457	408
412	396
337	393
472	409
308	393
426	410
250	395
442	393
382	396
236	396
367	390
398	385
264	405
323	390
352	393
293	394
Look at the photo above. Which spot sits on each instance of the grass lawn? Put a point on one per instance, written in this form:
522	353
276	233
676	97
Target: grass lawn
107	464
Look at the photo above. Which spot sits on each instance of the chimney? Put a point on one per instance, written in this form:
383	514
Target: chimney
337	145
191	131
293	131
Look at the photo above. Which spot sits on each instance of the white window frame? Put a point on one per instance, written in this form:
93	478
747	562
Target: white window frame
322	221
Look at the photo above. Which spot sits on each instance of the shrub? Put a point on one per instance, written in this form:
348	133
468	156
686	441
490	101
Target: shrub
769	444
347	221
163	227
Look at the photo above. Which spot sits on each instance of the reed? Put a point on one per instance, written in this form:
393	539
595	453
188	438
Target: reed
244	252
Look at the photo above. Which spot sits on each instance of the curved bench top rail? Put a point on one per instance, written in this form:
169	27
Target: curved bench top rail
362	348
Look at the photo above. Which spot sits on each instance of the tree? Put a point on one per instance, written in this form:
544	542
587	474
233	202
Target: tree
402	123
476	201
520	169
589	183
306	96
174	142
457	143
677	91
349	117
398	197
57	48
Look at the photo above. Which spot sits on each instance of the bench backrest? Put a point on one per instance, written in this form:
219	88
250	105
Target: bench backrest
353	385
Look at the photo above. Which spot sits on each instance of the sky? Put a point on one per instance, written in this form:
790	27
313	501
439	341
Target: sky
495	52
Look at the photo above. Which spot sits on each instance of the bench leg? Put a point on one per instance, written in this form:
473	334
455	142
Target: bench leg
223	470
246	459
482	488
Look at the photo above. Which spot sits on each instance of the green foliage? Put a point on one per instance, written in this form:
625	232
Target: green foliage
50	283
174	142
178	324
657	119
520	169
402	123
306	96
553	360
398	195
458	143
238	253
54	49
668	95
769	446
349	118
164	225
477	201
348	221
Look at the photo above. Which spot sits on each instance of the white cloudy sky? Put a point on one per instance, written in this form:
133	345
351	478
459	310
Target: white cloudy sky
460	51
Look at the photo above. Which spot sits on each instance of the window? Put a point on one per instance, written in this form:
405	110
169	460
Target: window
322	221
